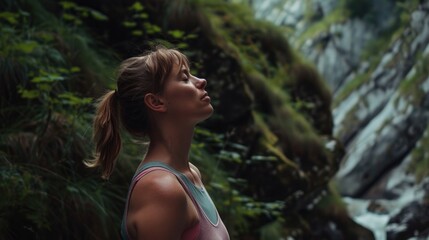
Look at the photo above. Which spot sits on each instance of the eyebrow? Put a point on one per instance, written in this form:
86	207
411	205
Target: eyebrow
183	70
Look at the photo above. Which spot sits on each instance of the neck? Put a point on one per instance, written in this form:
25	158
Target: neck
170	143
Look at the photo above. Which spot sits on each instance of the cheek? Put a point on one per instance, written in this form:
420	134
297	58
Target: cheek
183	94
182	97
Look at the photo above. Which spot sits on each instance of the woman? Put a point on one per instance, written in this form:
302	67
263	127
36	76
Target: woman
157	97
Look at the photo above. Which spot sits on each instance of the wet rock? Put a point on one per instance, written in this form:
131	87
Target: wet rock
377	208
420	25
373	121
379	147
412	221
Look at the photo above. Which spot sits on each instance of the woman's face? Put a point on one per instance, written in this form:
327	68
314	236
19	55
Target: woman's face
185	96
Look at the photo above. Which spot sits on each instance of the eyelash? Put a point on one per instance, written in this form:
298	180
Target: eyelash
186	77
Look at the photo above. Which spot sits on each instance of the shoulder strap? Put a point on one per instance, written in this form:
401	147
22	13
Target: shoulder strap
148	165
189	184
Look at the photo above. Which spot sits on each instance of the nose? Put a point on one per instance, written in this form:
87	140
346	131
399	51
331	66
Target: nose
201	83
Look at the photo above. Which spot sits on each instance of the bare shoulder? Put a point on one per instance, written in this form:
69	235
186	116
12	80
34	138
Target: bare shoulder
158	207
193	167
158	185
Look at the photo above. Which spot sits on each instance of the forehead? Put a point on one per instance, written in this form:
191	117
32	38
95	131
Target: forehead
175	62
177	69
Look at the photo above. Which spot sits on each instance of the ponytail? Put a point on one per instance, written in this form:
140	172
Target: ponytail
106	134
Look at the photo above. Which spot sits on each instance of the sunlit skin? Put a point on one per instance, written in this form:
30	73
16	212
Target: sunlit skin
168	211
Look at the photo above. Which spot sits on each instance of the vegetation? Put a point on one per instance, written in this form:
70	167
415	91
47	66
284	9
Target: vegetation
411	90
411	87
420	158
322	26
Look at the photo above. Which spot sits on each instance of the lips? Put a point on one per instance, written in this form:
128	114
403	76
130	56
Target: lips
205	96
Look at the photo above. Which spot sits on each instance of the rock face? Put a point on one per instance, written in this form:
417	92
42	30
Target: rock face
340	50
378	121
381	110
335	45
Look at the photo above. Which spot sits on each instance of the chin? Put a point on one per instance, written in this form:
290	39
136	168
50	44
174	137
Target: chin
211	110
207	113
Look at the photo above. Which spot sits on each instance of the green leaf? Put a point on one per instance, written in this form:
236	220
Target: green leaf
137	32
176	33
71	99
182	45
141	16
24	13
45	87
230	156
191	36
77	21
46	36
137	6
53	54
263	158
29	94
47	78
151	28
84	13
27	46
72	189
98	15
129	24
69	17
11	17
75	69
67	4
63	70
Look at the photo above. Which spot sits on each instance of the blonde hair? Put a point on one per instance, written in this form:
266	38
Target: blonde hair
125	106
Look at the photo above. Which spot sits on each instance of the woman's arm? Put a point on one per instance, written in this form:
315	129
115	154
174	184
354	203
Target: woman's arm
158	208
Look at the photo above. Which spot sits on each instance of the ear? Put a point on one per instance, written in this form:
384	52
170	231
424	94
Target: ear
155	102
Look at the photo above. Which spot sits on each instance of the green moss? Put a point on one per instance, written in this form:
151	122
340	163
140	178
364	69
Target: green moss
310	12
270	140
351	86
411	87
350	121
332	199
246	38
420	157
336	16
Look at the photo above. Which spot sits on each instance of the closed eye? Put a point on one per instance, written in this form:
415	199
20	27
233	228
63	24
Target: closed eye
185	74
185	77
